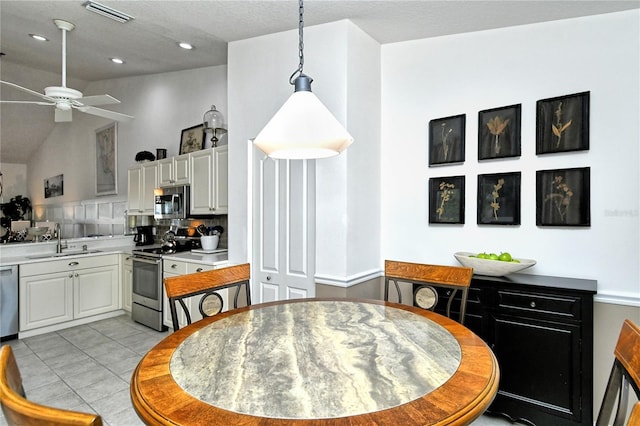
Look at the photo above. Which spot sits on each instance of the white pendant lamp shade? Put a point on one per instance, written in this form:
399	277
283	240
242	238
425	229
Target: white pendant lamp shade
303	128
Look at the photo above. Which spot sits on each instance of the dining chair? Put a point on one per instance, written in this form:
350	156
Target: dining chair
428	277
634	417
206	284
625	372
20	411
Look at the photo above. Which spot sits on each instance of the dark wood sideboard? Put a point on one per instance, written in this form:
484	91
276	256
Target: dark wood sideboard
541	331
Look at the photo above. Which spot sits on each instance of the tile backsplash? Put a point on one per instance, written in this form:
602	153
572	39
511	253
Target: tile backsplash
85	218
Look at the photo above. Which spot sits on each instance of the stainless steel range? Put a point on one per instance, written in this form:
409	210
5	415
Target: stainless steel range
147	285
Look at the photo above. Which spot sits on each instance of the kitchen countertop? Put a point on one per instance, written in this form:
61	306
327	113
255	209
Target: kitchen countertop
187	256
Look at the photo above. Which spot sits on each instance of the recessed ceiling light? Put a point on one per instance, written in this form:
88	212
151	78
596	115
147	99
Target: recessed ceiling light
185	45
38	37
117	60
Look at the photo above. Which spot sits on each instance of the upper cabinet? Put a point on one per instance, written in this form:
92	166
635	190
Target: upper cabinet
174	171
142	179
205	170
209	191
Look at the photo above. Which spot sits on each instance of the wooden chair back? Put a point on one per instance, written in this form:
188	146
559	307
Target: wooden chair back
427	277
625	372
206	284
634	418
20	411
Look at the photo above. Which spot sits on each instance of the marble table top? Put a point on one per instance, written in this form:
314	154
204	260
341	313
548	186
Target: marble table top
315	360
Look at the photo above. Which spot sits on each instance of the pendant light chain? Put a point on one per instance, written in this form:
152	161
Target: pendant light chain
300	42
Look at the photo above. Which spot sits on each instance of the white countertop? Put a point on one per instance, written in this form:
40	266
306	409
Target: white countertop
209	259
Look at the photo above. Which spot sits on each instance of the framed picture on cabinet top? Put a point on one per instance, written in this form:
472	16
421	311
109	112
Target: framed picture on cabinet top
446	140
446	199
499	132
192	139
562	197
562	124
499	199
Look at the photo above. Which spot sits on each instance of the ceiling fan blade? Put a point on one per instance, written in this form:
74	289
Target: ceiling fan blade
62	116
105	113
98	100
28	102
24	89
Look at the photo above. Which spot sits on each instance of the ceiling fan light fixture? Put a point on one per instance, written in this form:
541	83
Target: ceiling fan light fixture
185	45
107	11
303	128
38	37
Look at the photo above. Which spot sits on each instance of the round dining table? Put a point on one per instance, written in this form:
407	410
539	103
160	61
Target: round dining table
317	362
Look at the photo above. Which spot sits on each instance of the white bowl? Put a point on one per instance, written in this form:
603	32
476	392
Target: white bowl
492	268
209	242
38	230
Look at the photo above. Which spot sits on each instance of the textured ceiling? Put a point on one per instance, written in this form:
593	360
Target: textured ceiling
148	43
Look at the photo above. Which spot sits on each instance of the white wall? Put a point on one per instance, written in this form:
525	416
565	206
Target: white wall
463	74
14	181
344	63
163	105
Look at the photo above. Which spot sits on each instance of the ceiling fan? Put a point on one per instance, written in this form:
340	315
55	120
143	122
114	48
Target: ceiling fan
65	98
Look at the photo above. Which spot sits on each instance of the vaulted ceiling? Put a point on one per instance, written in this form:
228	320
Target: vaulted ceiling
148	43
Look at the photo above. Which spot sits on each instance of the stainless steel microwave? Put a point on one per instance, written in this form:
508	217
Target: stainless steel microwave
171	202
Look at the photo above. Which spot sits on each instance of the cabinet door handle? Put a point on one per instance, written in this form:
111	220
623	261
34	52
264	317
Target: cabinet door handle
128	258
70	275
268	277
73	263
76	275
199	270
532	304
174	266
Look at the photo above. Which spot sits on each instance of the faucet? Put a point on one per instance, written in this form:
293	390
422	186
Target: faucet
59	246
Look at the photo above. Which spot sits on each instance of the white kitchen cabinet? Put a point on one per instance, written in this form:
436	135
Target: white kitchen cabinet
45	299
53	292
95	291
174	171
173	268
127	281
209	183
142	179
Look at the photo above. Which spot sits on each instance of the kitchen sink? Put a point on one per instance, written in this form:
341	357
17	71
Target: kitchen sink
63	254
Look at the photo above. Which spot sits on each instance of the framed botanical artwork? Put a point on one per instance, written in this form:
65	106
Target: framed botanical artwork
446	199
562	124
192	139
562	197
106	159
499	132
446	140
499	199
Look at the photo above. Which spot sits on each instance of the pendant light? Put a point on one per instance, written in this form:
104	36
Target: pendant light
303	128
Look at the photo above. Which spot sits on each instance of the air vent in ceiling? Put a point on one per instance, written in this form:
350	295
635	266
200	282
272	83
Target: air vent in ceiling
103	10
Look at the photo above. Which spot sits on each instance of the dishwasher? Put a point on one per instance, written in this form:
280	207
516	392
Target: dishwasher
8	302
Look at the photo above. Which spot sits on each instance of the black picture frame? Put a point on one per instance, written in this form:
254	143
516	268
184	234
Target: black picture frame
446	199
563	197
499	132
447	140
499	199
562	124
192	139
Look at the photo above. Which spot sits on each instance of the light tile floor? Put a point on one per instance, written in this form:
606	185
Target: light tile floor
88	368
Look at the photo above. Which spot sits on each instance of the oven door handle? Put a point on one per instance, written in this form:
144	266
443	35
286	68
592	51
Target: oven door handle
145	260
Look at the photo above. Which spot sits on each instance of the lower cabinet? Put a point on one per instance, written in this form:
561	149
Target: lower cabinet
173	268
541	330
57	291
127	281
